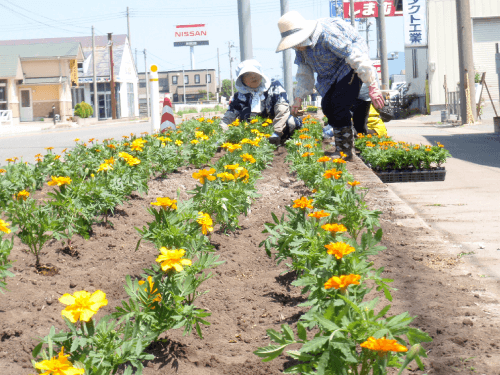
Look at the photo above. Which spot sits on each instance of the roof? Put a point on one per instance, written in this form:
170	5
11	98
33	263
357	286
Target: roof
85	41
9	66
102	61
41	51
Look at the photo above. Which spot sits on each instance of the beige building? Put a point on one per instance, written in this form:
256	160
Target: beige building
440	57
36	80
196	82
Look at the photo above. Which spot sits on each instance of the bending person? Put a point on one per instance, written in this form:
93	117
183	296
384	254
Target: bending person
258	96
334	50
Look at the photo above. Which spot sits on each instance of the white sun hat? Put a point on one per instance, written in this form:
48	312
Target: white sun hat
294	30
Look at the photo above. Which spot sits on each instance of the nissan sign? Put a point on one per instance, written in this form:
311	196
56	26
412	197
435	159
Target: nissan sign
190	35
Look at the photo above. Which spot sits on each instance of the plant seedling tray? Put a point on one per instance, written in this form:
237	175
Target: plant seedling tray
412	176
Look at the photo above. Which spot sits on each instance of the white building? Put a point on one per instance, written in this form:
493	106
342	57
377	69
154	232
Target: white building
440	57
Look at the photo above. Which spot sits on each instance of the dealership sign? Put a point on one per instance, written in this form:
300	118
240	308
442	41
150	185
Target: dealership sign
415	23
365	9
190	35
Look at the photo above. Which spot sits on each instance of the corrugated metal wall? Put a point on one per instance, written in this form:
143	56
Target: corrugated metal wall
484	8
486	34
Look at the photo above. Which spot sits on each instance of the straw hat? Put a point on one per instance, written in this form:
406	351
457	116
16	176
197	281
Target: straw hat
294	29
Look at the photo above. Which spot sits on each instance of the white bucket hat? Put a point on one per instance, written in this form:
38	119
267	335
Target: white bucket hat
294	30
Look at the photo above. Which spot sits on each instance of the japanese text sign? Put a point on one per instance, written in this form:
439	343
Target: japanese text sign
415	23
365	9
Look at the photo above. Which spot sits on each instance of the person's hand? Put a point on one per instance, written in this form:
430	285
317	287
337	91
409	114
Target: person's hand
296	107
376	96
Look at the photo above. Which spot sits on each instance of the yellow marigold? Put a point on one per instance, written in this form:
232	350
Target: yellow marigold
203	174
354	183
242	174
308	146
77	139
206	222
201	119
59	181
254	121
137	144
194	141
11	160
342	282
231	166
133	161
416	147
58	366
105	167
231	147
323	159
339	161
82	305
319	214
125	136
334	228
3	170
339	249
303	203
368	136
264	124
91	140
225	176
428	149
111	160
332	173
151	289
361	135
382	346
248	157
165	203
342	155
58	156
304	136
23	194
4	226
178	142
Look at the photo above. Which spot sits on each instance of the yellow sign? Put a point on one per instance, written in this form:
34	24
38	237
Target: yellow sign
154	68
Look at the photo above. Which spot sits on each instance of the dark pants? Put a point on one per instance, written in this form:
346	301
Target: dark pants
337	102
360	112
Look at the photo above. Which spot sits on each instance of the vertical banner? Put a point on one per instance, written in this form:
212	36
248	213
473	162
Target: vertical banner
336	8
415	23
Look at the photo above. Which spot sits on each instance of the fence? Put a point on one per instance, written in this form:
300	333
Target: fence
454	103
5	116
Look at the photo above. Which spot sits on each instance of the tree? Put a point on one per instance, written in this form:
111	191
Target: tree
226	88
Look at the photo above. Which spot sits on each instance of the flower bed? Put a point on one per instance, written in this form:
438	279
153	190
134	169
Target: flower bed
401	161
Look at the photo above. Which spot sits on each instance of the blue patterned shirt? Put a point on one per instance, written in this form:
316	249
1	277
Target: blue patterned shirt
332	43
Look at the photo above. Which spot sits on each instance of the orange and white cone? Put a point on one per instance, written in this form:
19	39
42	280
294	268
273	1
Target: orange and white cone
167	116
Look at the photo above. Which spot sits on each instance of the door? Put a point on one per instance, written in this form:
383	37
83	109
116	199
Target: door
486	33
26	105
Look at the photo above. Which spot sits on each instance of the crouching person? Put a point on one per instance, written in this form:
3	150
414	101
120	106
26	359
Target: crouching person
258	96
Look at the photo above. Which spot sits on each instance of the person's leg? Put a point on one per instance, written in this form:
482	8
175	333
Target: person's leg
360	112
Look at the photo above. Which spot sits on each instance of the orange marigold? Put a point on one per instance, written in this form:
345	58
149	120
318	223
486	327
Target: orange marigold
303	203
342	282
382	346
319	214
354	183
334	228
332	173
323	159
339	249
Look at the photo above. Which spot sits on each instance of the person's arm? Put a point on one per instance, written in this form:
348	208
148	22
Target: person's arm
305	86
228	118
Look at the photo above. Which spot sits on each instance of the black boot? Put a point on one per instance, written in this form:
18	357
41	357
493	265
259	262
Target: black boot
344	141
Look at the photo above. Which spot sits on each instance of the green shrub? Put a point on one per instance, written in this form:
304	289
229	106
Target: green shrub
83	110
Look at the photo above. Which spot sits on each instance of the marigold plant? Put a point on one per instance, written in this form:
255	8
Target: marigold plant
82	305
58	366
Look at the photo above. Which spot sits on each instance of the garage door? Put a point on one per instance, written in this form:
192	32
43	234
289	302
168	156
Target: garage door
486	35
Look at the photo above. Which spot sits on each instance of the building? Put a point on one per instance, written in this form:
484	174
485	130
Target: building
196	82
125	74
440	57
36	79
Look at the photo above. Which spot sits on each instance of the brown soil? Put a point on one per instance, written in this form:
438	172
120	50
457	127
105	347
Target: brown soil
249	293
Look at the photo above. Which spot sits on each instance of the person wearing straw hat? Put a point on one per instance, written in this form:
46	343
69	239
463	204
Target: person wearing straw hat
333	49
259	96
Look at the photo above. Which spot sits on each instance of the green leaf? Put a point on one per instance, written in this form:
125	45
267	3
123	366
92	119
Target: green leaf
327	324
315	344
416	336
269	352
37	350
301	331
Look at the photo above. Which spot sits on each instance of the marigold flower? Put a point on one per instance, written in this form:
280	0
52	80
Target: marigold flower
11	160
332	173
242	174
298	143
303	203
342	282
306	154
138	144
4	226
133	161
308	146
59	181
225	176
416	147
194	141
304	136
201	119
77	139
111	160
254	121
58	366
334	228
105	167
382	345
203	174
339	249
82	305
150	290
3	170
354	183
248	157
113	147
23	194
368	136
178	142
339	161
232	166
323	159
319	214
361	135
342	155
206	222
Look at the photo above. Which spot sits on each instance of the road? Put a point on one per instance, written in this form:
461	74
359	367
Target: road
27	145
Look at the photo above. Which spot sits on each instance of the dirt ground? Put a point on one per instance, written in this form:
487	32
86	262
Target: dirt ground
249	293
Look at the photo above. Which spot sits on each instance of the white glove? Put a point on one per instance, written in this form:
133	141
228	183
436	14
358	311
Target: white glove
376	96
296	107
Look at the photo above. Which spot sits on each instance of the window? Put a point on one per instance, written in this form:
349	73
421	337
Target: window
174	80
80	69
3	94
131	100
414	62
186	79
209	78
197	78
77	96
163	84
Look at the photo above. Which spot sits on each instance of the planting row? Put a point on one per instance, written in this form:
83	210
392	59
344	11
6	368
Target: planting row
326	241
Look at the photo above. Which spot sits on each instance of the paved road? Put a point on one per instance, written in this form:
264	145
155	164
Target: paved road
27	145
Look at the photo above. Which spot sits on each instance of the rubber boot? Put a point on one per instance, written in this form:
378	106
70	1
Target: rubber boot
344	141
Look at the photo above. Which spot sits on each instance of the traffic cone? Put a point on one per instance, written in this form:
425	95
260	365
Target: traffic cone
167	116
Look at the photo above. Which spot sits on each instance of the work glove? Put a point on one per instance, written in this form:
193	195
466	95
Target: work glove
296	107
376	95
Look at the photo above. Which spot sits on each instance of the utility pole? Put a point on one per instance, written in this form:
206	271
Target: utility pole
191	48
147	83
113	96
218	64
206	78
94	77
384	66
465	61
231	68
136	59
287	60
244	20
353	16
128	29
184	83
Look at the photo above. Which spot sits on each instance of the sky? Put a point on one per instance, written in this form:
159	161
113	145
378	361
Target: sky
152	28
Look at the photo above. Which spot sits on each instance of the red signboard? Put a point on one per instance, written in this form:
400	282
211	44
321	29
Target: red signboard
365	9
